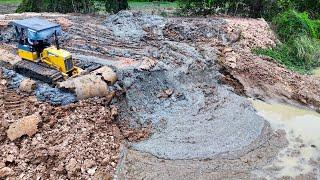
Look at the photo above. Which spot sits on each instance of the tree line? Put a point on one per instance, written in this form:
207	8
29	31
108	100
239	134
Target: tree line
68	6
249	8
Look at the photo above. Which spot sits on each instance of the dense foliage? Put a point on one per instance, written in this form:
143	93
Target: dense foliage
300	47
291	24
115	6
68	6
204	7
252	8
63	6
312	7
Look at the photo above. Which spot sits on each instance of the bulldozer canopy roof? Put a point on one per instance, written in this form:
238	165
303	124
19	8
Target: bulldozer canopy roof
36	28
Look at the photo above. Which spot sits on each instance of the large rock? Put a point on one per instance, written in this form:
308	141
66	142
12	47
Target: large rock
6	171
27	85
94	84
25	126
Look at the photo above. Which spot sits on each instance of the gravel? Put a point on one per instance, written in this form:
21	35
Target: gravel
194	115
133	26
200	120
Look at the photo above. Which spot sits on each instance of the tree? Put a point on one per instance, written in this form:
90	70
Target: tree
62	6
29	6
252	8
114	6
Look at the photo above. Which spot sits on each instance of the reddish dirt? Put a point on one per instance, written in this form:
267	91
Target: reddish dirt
262	77
79	140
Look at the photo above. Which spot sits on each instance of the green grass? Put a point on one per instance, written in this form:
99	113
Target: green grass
292	24
300	47
301	54
152	5
17	2
132	4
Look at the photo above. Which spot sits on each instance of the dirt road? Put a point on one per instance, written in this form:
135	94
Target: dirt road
186	78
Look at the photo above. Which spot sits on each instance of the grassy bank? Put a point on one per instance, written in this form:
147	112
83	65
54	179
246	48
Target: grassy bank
299	49
17	2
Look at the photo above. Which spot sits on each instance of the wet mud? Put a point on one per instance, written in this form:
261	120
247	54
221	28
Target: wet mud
43	92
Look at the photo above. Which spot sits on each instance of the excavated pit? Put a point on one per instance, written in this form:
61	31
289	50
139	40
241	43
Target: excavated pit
191	110
170	74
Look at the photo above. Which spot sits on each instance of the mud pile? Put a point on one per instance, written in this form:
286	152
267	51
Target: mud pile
133	26
181	97
42	91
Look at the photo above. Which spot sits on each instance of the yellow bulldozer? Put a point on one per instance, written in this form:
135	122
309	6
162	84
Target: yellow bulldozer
40	59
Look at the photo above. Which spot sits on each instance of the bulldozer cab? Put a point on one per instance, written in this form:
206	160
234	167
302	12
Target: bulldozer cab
36	29
35	36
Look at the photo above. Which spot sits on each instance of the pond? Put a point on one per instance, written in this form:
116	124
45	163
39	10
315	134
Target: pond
303	133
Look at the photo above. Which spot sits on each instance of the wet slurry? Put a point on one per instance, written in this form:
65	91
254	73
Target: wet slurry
43	91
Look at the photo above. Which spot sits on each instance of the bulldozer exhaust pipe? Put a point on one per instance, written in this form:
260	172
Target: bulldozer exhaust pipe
56	40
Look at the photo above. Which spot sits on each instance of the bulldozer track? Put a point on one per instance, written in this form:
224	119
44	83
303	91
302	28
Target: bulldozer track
11	102
38	71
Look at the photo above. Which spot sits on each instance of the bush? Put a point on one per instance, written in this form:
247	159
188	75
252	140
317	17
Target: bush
62	6
292	24
300	49
28	6
114	6
300	54
307	49
249	8
312	7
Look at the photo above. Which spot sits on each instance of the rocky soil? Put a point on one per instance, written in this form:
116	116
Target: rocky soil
79	140
187	78
261	77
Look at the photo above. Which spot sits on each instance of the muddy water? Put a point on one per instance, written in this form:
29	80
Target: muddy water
303	132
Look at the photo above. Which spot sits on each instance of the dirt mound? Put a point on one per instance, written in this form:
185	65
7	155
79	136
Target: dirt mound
262	77
79	140
194	29
134	26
